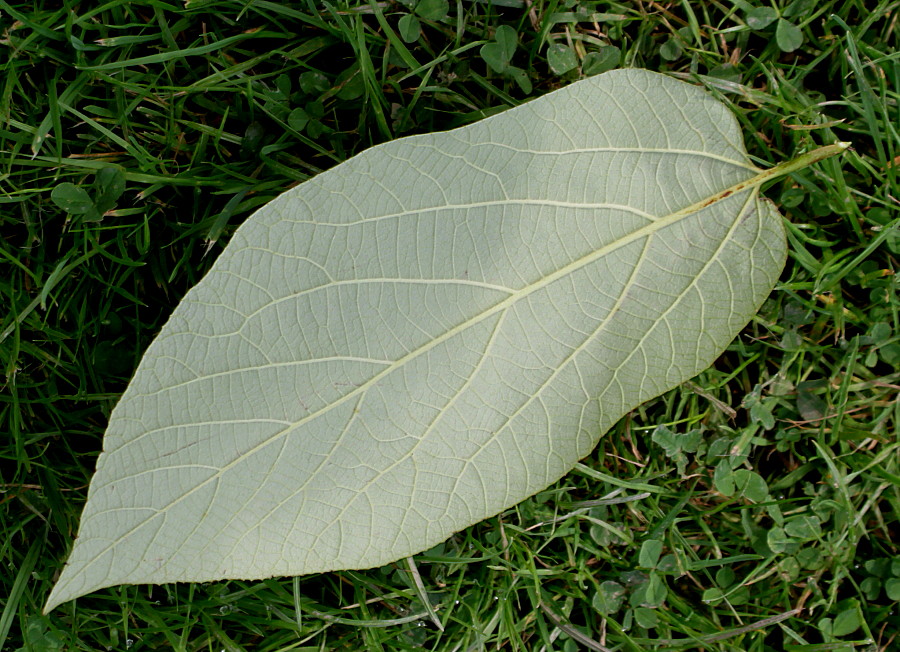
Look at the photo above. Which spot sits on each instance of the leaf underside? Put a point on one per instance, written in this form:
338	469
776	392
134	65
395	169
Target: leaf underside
427	334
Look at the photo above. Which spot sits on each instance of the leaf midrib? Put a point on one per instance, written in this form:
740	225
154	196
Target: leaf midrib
514	297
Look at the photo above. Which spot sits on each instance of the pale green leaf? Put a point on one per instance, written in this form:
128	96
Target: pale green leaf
71	198
429	333
761	17
671	49
561	58
778	540
713	596
804	527
433	9
788	36
507	39
646	617
723	478
609	598
750	485
499	52
655	591
298	119
606	58
521	78
492	53
651	549
409	28
892	587
109	185
847	621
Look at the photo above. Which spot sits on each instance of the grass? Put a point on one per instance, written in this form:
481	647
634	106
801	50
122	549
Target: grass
753	508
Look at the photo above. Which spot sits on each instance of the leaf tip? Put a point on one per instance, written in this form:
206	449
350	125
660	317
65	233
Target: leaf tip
52	603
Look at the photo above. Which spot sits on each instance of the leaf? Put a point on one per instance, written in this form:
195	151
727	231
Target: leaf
609	598
655	591
409	28
778	540
492	53
312	82
351	84
674	443
810	406
498	53
40	634
788	36
521	78
804	527
871	588
430	332
799	8
671	49
507	39
297	119
880	333
561	58
811	558
433	9
253	139
890	353
283	84
892	587
761	17
646	617
713	595
72	199
723	478
878	567
727	72
651	549
847	621
761	413
606	58
109	185
750	485
725	577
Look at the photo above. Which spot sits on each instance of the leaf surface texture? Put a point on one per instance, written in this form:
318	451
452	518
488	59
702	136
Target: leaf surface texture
429	333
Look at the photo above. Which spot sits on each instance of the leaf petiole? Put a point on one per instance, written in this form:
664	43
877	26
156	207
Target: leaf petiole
802	161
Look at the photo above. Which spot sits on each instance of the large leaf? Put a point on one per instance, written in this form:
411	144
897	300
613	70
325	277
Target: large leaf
427	334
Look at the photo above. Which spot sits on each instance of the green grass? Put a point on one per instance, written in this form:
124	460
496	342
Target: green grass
753	508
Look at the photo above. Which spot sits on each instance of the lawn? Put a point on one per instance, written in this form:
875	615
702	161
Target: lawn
754	507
